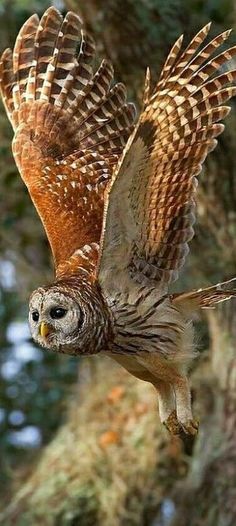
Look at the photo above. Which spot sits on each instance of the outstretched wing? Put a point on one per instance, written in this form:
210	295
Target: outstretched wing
150	208
70	127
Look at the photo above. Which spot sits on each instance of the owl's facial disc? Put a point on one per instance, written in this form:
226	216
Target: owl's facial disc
55	319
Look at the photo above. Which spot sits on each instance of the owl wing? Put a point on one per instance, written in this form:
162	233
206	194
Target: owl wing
149	210
70	127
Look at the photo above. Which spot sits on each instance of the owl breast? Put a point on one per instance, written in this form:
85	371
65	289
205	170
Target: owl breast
151	323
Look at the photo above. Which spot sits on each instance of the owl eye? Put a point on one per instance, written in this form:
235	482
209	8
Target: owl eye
35	315
57	312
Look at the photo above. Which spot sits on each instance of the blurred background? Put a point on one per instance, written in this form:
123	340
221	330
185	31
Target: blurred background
80	441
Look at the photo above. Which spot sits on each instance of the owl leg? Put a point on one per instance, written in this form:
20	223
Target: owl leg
183	405
180	419
165	399
165	392
167	411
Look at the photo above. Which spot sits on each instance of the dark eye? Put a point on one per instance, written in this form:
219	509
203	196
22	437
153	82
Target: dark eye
57	312
35	315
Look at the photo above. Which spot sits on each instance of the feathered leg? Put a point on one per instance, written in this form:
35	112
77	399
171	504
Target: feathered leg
165	392
177	417
183	405
167	406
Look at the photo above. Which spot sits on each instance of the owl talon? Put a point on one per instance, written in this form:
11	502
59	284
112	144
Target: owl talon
172	425
190	427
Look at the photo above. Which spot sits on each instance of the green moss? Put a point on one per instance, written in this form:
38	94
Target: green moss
82	479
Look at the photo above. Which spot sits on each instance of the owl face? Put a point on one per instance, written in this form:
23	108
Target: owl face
62	321
55	319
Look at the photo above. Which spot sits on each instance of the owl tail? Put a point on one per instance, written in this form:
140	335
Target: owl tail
49	88
205	298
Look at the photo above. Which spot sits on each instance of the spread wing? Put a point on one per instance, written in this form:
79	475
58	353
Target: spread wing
150	208
70	127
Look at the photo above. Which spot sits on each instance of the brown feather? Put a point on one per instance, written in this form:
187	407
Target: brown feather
206	298
70	128
157	173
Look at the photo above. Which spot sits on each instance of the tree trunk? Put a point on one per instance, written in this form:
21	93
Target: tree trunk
208	495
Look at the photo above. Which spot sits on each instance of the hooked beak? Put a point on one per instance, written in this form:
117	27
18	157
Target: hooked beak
44	330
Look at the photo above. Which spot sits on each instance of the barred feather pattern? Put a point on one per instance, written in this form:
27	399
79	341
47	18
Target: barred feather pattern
206	298
70	128
156	175
150	323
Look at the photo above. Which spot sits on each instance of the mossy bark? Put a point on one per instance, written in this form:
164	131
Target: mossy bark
208	494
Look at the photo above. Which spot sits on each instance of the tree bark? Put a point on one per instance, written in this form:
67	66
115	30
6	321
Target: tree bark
208	495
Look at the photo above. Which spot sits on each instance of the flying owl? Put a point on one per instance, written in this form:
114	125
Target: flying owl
116	197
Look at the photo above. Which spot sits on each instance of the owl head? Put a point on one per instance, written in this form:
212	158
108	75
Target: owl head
70	317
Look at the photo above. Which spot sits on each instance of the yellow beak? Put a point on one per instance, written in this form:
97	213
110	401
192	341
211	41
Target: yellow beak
44	330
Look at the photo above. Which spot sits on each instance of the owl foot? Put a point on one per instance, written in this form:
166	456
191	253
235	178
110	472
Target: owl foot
172	425
190	427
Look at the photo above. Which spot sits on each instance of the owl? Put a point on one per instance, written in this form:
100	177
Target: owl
116	197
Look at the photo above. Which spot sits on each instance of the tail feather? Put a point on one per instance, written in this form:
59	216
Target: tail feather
206	298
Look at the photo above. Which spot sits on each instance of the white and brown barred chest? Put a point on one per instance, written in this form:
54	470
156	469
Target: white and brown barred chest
150	322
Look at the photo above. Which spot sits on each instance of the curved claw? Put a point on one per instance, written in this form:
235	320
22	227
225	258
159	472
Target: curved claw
190	427
172	425
175	427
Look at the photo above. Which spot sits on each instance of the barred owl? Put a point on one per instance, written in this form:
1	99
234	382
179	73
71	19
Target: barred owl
116	197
